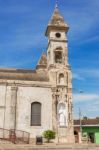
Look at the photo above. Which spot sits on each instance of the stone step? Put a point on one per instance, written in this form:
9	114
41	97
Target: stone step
5	142
50	147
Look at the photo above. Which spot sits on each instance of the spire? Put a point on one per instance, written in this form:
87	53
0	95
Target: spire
42	62
57	21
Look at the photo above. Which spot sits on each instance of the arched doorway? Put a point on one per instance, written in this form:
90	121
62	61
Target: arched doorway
76	137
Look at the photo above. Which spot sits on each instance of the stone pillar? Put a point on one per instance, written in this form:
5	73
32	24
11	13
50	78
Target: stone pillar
80	137
13	106
54	115
71	138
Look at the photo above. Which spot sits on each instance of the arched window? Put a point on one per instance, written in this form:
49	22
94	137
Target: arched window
36	114
61	79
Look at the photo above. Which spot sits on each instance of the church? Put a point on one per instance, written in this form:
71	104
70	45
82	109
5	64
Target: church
41	99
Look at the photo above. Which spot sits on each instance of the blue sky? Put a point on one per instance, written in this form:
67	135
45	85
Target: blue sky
22	40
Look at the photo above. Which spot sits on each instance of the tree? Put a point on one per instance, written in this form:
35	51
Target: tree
49	134
97	118
85	118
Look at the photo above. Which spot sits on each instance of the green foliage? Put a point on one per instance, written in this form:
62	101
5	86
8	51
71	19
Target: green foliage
49	134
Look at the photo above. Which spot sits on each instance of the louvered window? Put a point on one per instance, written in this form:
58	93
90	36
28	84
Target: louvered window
58	57
35	114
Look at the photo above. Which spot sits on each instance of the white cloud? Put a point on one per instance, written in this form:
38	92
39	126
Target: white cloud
14	9
23	40
82	20
77	76
15	64
92	72
88	72
85	97
91	39
89	105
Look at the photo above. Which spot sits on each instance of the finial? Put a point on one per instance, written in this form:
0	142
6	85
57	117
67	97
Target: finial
56	4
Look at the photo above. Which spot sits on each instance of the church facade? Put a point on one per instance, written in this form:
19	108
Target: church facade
41	99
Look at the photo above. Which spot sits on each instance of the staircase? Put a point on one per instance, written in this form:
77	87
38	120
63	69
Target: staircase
50	147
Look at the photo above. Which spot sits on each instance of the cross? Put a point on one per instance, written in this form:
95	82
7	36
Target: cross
56	4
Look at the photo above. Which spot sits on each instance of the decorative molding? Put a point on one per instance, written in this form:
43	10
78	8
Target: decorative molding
14	88
24	84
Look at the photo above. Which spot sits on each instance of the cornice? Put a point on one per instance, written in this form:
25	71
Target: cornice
18	83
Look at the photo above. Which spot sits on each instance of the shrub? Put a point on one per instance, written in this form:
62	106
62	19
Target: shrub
49	134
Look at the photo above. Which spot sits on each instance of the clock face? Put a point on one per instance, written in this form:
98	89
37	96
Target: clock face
58	35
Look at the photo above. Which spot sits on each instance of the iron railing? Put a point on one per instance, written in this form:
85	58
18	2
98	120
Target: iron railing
14	136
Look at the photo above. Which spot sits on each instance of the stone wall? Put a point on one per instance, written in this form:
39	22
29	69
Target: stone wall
24	96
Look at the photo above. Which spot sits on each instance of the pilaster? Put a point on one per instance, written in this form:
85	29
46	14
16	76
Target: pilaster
13	106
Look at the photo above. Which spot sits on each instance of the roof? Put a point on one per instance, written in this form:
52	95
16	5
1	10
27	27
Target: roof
57	21
21	74
87	122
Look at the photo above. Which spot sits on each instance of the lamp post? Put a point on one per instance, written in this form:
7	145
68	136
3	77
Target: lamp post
80	123
80	118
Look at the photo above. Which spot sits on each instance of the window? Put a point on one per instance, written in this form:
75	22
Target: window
58	57
36	114
58	35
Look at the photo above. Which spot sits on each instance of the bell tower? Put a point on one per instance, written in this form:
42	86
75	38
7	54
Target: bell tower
57	40
60	77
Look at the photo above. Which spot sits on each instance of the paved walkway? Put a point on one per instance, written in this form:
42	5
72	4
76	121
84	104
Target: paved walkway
50	147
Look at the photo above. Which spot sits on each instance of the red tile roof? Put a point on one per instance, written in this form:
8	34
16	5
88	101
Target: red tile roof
87	122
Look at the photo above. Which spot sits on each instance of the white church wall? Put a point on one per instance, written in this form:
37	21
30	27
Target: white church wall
26	96
52	35
2	105
8	108
5	100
